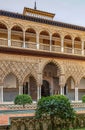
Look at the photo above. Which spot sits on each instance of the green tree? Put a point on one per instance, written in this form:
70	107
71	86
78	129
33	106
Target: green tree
57	106
23	99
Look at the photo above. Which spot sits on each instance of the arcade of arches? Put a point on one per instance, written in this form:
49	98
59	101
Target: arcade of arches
40	77
16	36
37	75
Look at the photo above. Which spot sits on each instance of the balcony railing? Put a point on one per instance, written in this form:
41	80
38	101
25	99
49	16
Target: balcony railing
44	47
31	45
3	42
56	48
67	50
77	51
16	43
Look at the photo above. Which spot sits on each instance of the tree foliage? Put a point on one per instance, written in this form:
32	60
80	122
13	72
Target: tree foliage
57	106
23	99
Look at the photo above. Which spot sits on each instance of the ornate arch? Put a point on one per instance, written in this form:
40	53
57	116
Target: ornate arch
79	79
54	62
71	76
30	74
10	72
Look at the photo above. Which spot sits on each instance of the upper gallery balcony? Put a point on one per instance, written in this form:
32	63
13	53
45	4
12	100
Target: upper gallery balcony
40	41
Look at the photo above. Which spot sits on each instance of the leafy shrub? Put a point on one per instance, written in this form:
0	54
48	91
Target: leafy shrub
56	106
83	98
22	99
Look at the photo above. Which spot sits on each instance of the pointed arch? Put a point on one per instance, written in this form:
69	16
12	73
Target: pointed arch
69	89
51	72
11	87
71	77
30	86
28	73
8	73
81	79
81	87
61	70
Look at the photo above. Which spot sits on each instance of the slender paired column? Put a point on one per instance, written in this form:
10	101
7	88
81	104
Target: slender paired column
38	92
61	90
1	94
76	93
50	42
20	89
62	44
82	47
24	38
72	45
37	40
29	86
9	37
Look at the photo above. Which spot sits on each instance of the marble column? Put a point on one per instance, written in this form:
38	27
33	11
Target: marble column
73	46
38	93
82	47
20	89
37	40
61	90
1	94
50	42
24	39
76	93
62	44
9	37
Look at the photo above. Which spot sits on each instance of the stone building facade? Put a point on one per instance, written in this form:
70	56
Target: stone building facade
40	56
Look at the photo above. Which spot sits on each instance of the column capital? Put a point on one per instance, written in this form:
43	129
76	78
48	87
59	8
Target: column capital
62	37
1	84
62	80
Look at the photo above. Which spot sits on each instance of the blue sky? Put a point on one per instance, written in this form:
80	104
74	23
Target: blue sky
68	11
